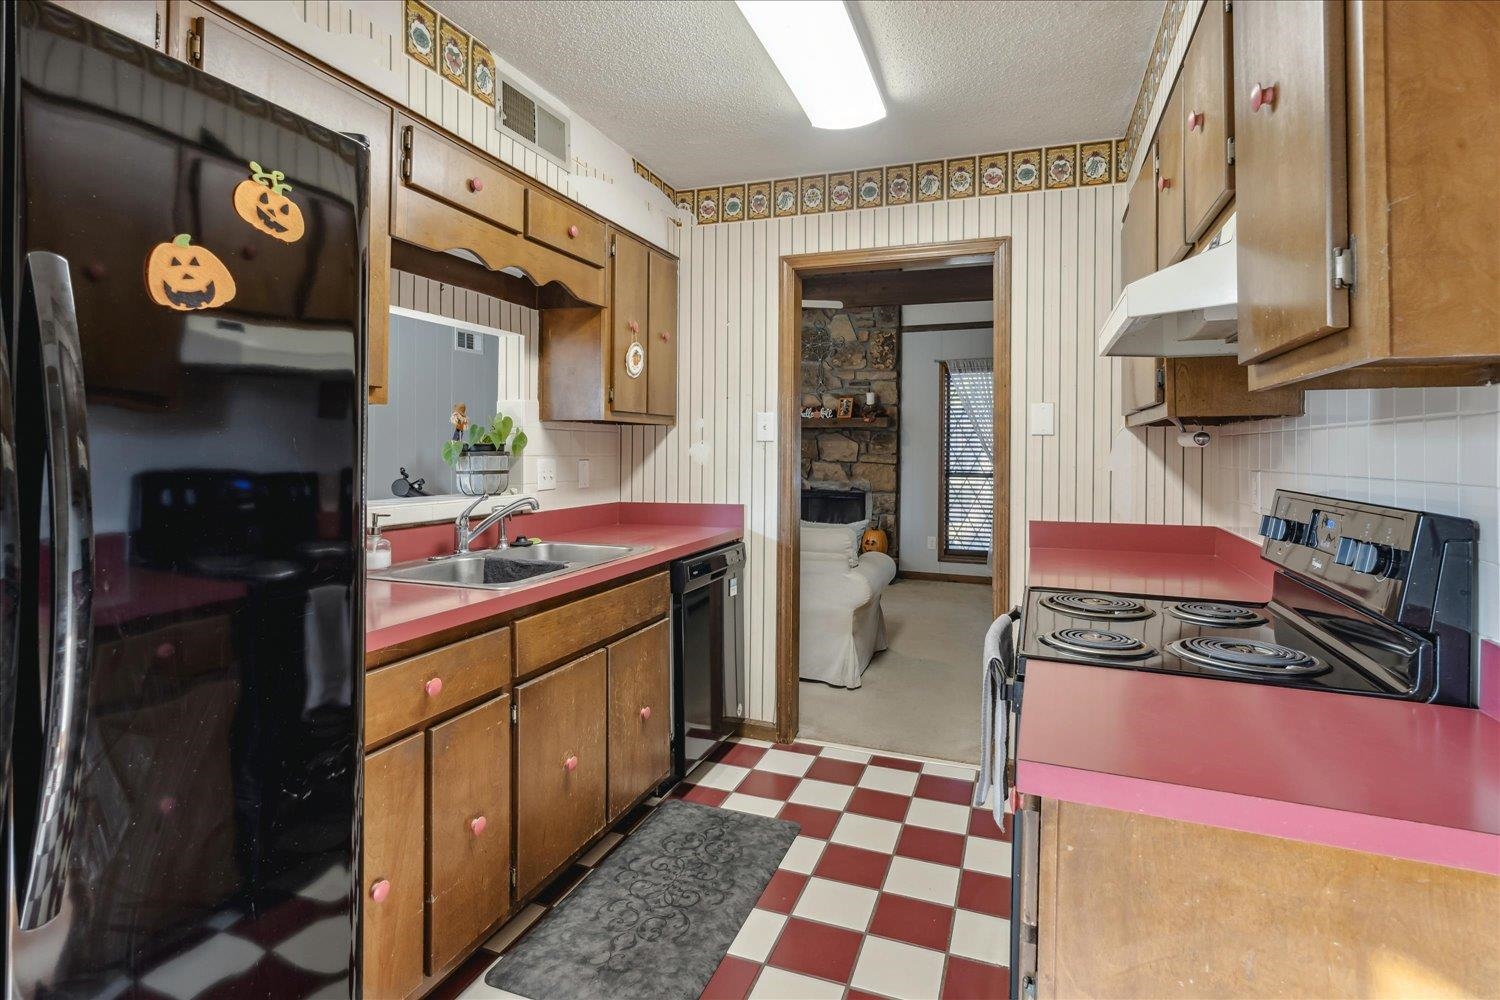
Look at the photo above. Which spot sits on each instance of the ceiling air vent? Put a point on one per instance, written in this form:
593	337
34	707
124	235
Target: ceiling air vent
535	124
465	340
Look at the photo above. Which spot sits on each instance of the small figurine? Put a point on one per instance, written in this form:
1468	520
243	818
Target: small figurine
459	420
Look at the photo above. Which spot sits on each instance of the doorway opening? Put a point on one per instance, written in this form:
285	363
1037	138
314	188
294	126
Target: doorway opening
849	381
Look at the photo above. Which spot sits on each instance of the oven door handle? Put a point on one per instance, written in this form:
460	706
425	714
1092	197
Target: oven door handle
50	292
10	569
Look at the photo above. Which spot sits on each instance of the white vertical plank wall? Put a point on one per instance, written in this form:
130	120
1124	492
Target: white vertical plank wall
1063	282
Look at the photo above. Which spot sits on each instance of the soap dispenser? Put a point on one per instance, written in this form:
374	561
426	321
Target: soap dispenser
377	549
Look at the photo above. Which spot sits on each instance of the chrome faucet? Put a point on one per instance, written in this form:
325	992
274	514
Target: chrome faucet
463	535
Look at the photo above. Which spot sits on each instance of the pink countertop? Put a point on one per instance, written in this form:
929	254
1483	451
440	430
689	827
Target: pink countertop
1413	781
402	612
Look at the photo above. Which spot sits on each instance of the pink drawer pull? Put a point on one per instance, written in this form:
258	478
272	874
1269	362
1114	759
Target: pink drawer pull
634	326
165	650
434	687
475	184
646	713
1164	183
1195	120
571	762
380	890
572	232
1263	97
477	825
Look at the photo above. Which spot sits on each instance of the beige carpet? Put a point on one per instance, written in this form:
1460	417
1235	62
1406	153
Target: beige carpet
921	696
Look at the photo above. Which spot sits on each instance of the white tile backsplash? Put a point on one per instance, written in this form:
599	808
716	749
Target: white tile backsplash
1430	449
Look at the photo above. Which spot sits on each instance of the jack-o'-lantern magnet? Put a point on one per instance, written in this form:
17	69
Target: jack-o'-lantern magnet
184	277
262	202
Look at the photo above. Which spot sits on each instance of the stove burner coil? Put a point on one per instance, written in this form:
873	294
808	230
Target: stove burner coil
1211	615
1247	656
1096	642
1104	606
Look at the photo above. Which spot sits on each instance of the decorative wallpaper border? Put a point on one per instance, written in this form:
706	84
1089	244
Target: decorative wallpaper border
644	171
1049	168
1161	49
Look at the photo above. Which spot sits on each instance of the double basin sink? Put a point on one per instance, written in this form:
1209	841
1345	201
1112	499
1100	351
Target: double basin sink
505	569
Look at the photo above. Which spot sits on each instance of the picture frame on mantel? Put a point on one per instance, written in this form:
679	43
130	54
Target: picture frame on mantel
845	408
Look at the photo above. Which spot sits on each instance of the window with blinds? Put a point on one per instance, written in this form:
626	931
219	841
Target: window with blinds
966	468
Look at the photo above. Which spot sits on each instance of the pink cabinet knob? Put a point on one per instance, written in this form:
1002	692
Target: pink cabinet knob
645	713
165	650
634	326
476	184
1164	184
477	825
571	762
380	890
433	687
665	335
572	232
1195	120
1263	97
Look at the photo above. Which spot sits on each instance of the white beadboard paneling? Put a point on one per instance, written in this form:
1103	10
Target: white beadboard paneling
1063	282
1431	449
566	443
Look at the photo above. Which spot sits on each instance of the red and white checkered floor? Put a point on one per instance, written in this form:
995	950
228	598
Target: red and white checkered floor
896	887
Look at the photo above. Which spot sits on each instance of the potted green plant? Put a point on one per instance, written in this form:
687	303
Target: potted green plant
481	455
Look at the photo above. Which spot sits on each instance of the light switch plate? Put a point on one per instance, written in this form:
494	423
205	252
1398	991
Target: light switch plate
1043	419
546	474
765	426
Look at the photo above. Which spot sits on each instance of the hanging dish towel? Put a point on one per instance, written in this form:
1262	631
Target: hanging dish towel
994	724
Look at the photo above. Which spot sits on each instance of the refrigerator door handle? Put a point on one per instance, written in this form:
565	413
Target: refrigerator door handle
10	586
67	683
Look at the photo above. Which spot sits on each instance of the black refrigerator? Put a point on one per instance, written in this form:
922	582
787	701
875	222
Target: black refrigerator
181	468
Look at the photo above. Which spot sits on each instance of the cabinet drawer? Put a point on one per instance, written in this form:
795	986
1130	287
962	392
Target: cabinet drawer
563	227
640	748
392	891
407	694
468	816
465	180
555	635
560	768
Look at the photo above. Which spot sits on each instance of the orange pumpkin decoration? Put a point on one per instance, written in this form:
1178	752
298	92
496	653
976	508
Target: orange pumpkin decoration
262	202
874	540
184	277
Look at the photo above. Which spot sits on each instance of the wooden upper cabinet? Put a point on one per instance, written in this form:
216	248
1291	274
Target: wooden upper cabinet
1172	243
1290	173
468	821
441	168
628	307
392	888
661	354
1208	121
640	731
1141	384
565	228
249	62
1138	227
560	767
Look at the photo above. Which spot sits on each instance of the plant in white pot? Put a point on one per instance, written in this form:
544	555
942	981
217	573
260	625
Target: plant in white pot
481	454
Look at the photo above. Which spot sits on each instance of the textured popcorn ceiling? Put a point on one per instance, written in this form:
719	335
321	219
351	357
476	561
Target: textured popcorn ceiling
685	86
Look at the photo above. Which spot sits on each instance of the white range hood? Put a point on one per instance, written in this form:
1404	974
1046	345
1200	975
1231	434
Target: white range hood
1188	310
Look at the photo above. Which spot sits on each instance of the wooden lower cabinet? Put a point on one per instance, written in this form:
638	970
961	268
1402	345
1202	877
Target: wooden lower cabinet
392	887
468	829
640	731
1139	906
560	766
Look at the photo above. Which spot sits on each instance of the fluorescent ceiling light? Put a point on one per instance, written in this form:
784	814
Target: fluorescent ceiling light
813	44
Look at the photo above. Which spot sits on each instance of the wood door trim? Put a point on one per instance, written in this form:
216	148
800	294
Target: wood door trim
793	267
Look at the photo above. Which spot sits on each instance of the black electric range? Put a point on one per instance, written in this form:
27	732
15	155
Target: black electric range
1366	600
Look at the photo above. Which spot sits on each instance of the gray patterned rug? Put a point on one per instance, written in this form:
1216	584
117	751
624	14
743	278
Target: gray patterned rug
655	919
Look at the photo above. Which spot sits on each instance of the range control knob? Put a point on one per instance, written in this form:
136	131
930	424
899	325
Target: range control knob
1348	548
1372	557
1281	529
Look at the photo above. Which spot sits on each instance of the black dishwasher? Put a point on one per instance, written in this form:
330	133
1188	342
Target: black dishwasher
708	642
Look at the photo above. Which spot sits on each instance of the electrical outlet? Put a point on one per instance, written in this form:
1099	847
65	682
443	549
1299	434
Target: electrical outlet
932	543
583	473
546	474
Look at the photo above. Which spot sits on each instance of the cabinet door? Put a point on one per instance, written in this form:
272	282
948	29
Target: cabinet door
661	354
1138	227
1207	174
391	890
468	819
1140	384
247	61
560	769
1290	173
139	20
1171	225
640	732
628	307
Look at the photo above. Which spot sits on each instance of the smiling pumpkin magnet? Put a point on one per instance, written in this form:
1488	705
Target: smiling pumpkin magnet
262	202
184	277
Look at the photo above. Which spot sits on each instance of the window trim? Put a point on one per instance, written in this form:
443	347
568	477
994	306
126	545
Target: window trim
946	554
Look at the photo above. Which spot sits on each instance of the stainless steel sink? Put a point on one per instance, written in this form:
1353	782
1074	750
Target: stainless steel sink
504	569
